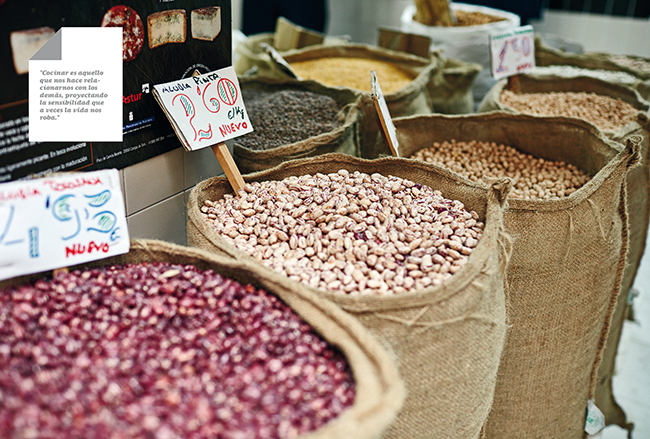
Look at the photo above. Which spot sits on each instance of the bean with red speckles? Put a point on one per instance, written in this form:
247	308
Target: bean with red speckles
162	351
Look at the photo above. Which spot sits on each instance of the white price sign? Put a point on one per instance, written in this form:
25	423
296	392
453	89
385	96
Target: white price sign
205	109
512	52
61	221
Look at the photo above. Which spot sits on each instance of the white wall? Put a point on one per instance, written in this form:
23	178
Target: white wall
599	33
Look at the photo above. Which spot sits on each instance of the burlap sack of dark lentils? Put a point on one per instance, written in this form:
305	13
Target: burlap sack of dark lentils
447	339
379	388
623	69
285	129
638	193
565	272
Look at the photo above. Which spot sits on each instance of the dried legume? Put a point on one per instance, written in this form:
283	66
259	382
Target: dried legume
287	116
640	65
348	232
535	178
353	73
605	112
161	351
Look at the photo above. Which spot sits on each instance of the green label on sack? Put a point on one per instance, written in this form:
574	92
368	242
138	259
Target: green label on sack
595	419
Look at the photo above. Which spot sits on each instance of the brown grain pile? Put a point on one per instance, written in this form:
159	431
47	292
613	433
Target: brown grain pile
467	18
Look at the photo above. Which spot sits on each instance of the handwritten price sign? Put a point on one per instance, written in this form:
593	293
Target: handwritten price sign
512	52
206	109
61	221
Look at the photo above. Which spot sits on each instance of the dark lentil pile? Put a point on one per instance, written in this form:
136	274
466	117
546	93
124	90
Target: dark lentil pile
287	116
161	351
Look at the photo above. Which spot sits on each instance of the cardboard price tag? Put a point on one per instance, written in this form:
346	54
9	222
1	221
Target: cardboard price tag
205	109
387	128
60	221
512	52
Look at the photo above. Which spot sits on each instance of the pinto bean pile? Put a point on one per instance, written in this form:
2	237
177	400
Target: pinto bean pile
161	351
535	178
350	233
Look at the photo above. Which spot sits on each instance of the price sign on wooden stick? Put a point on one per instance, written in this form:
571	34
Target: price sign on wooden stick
60	221
205	110
512	53
387	128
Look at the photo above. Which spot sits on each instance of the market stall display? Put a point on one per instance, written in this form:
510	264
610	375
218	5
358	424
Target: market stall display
621	114
166	341
564	274
294	119
436	331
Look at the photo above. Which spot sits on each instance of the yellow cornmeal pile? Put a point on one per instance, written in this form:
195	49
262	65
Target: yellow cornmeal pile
353	73
535	178
604	112
466	18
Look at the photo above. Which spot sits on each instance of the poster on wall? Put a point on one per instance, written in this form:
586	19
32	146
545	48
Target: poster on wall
163	41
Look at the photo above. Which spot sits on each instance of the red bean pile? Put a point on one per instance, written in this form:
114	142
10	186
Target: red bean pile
161	351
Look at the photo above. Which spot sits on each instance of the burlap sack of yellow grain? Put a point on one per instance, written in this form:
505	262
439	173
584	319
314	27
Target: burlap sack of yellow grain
252	59
276	139
403	79
379	389
632	71
565	273
621	114
447	338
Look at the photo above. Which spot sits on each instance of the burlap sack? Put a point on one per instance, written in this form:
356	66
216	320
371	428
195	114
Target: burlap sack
447	339
638	193
379	389
565	272
450	88
250	53
411	99
547	56
344	139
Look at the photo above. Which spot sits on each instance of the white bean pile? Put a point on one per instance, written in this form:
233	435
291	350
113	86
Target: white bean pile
604	112
535	178
350	233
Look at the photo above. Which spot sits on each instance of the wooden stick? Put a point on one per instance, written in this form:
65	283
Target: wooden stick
384	128
513	84
433	12
229	167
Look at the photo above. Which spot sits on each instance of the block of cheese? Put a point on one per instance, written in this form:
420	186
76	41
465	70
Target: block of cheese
25	43
206	23
166	27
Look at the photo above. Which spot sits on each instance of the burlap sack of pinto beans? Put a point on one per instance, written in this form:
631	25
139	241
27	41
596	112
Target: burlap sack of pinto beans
638	192
565	272
379	389
295	119
447	339
632	71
